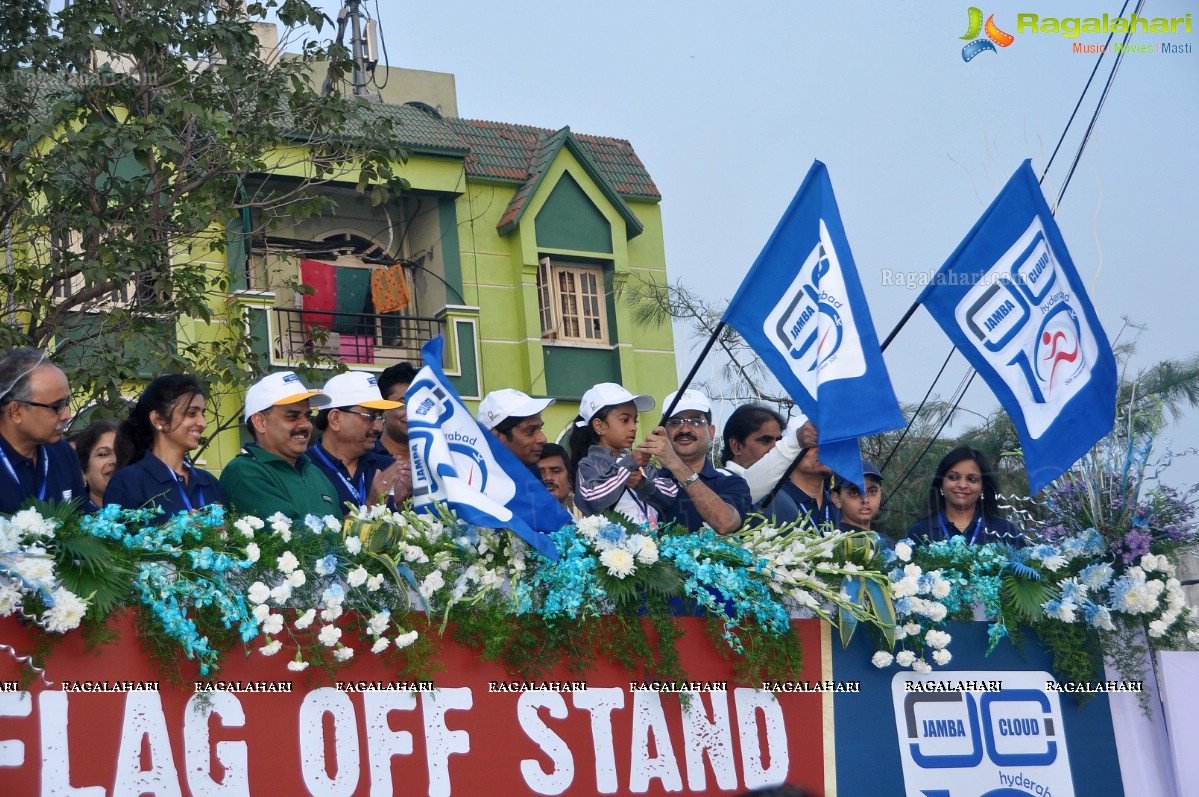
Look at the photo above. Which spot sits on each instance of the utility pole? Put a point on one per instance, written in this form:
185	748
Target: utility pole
361	49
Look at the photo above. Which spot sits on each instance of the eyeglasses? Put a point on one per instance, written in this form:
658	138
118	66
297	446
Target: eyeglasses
57	407
371	417
681	422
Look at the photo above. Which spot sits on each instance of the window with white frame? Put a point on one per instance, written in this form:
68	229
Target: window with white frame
571	298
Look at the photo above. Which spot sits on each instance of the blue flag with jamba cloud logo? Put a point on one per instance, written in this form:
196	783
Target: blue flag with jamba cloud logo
801	309
458	463
1011	300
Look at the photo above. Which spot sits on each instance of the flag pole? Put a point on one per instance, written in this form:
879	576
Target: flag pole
668	411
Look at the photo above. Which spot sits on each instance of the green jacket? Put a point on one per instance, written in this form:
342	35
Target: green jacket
261	483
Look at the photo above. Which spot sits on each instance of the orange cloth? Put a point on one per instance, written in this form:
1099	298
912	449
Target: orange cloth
389	289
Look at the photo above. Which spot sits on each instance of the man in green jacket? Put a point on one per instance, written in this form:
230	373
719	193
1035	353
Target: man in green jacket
273	474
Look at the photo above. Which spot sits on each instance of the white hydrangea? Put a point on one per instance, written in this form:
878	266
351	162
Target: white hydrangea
937	639
942	657
904	658
882	659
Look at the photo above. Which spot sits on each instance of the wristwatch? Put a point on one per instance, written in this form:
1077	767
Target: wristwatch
692	479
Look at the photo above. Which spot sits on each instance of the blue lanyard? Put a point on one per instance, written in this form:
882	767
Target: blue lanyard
359	491
825	508
978	524
41	489
183	490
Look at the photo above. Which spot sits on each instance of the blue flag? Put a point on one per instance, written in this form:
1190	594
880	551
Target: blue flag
802	310
457	462
1011	300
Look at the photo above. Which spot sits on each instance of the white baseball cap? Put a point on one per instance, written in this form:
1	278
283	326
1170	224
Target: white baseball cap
357	388
500	405
279	388
610	394
690	400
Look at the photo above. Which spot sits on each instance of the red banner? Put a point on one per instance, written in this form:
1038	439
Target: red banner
260	729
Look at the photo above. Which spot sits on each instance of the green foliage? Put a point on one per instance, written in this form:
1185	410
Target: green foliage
1021	599
1076	651
129	130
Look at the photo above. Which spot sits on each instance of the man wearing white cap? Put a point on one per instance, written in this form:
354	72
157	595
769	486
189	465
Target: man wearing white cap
345	451
273	474
706	494
515	418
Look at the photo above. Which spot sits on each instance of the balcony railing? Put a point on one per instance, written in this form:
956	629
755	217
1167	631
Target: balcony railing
353	338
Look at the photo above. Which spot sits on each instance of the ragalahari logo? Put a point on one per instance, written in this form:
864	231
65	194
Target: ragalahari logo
994	35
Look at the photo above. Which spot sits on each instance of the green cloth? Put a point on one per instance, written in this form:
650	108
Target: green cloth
261	483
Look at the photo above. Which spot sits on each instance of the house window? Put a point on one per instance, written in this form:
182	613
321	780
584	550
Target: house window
572	303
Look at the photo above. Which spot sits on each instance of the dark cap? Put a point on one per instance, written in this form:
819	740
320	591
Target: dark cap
868	469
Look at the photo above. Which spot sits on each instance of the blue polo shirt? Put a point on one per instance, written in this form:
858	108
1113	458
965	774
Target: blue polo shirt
732	490
980	531
53	475
350	490
825	515
149	482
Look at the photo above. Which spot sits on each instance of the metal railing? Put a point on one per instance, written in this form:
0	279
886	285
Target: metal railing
354	338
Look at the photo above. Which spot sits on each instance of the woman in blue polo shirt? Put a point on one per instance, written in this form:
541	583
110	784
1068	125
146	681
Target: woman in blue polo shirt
152	447
963	502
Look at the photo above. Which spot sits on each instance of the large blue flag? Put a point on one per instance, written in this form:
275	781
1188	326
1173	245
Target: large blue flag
457	462
1010	298
802	310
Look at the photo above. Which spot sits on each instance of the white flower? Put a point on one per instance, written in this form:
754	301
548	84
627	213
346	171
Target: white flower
10	600
1055	562
941	588
34	568
904	658
433	582
357	577
380	645
903	551
937	639
253	552
332	522
297	579
305	619
378	624
271	648
646	549
261	612
353	544
67	612
30	522
1193	637
329	635
936	612
374	582
343	653
331	614
281	525
921	666
404	640
942	657
912	629
1158	628
281	594
414	553
620	563
272	625
882	659
287	562
297	665
258	592
247	526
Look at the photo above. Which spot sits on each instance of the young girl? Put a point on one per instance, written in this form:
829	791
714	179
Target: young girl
608	474
152	446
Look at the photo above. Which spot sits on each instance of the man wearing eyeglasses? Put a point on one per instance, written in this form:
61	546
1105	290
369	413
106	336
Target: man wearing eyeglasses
35	462
274	474
350	428
706	494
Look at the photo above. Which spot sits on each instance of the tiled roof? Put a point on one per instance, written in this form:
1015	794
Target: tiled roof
414	128
503	151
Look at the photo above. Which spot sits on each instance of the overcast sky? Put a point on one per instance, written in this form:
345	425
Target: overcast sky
728	105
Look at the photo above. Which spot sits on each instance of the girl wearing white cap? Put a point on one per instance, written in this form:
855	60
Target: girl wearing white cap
608	474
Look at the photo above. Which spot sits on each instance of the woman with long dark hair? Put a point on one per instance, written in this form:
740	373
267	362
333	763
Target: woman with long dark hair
152	447
963	501
752	435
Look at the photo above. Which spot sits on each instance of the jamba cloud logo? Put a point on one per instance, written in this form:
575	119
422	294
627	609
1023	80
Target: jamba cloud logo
994	35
